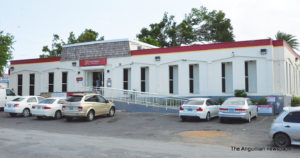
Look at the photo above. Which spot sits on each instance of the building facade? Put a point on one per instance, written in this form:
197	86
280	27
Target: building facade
261	67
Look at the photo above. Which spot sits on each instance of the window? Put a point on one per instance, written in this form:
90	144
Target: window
32	100
171	79
20	83
293	117
195	102
125	79
246	77
51	82
40	99
223	78
64	81
10	93
61	101
101	99
144	79
191	76
31	84
93	98
74	98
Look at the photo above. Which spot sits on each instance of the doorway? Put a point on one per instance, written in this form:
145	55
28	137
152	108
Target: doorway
98	79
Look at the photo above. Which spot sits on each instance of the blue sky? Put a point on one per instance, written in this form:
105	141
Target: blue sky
33	22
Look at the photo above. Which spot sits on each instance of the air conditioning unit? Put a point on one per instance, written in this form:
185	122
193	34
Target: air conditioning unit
157	58
263	51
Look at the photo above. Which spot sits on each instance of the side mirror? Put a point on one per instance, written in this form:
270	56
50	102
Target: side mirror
106	101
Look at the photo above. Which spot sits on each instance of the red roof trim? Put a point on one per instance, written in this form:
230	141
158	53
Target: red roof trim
212	46
33	61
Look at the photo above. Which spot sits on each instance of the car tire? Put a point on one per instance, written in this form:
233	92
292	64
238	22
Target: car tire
69	119
183	119
281	140
221	120
90	116
249	118
58	115
12	114
111	112
26	112
208	116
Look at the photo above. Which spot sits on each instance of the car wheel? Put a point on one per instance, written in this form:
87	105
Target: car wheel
69	118
208	116
26	112
249	118
58	115
112	112
12	114
183	118
281	140
90	115
221	120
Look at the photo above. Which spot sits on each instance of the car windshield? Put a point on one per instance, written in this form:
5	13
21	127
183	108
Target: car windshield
194	102
74	98
18	99
234	102
48	101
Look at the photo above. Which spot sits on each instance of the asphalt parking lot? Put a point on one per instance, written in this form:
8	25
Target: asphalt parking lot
153	127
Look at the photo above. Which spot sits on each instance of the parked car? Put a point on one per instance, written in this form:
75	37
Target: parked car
87	106
203	108
50	107
285	129
22	105
5	96
238	107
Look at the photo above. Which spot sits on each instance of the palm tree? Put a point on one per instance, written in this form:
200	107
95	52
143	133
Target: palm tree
290	39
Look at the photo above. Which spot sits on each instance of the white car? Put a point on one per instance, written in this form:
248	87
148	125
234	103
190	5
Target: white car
21	105
5	96
203	108
238	107
285	129
50	107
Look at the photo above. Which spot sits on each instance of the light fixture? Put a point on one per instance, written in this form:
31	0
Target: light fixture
73	63
12	68
157	58
263	51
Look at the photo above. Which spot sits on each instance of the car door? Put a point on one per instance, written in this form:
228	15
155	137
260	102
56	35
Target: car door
105	103
291	125
252	107
213	107
92	101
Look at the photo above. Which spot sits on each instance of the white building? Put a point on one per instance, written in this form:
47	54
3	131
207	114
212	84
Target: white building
261	67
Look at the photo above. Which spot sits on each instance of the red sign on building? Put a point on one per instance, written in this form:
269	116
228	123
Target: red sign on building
93	62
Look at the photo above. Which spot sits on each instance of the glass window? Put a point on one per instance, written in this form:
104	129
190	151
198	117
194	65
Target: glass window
51	82
64	81
234	102
20	83
61	101
125	79
93	98
10	93
101	99
18	99
191	78
40	99
195	102
31	100
171	80
293	117
31	84
74	98
48	101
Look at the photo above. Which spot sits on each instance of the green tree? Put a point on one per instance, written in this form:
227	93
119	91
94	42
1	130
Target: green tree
6	42
86	36
290	39
197	26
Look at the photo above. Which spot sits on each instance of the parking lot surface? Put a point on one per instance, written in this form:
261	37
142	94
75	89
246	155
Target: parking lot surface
135	135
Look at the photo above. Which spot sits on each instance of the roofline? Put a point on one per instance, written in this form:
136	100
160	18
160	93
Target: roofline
35	61
143	43
210	46
95	42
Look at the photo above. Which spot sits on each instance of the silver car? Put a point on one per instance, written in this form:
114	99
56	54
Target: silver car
285	129
238	107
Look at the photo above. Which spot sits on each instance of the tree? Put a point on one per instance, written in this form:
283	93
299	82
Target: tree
197	26
6	42
290	39
86	36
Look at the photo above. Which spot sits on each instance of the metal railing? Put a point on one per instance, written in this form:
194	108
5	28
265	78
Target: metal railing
137	97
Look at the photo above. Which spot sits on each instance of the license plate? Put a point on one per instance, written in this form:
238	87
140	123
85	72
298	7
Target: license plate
70	108
230	110
190	109
39	107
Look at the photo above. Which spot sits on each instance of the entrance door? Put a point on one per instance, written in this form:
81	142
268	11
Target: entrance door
98	79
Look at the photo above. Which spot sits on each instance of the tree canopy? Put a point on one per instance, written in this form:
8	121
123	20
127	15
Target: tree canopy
290	39
199	25
86	36
6	42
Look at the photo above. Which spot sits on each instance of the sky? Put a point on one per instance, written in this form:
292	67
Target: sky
33	22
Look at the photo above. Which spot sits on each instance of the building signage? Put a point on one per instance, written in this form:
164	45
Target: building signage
271	99
79	79
93	62
265	109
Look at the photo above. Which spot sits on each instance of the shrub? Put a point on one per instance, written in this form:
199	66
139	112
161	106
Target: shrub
295	101
220	101
262	101
240	93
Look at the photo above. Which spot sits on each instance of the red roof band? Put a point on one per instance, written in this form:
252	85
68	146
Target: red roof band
37	60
